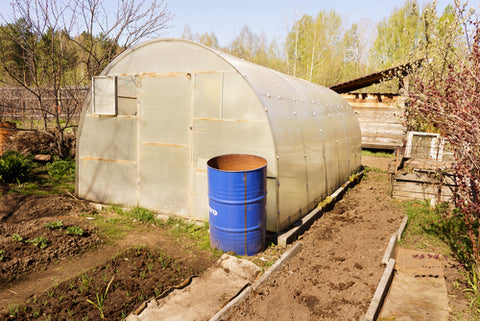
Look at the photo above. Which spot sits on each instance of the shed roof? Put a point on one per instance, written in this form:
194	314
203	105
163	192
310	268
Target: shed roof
376	77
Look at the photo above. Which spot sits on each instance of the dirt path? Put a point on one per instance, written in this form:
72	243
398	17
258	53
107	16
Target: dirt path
335	275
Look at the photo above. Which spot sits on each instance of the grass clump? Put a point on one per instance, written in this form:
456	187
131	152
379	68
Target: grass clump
196	232
14	167
141	214
61	170
36	179
61	176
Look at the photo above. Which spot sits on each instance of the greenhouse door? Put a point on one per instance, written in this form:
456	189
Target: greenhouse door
165	112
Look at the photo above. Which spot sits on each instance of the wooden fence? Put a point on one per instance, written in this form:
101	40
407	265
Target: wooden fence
19	104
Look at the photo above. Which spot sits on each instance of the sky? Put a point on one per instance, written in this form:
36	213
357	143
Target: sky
226	18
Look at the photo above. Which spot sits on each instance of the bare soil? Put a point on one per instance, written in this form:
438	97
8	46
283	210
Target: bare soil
55	282
333	278
336	274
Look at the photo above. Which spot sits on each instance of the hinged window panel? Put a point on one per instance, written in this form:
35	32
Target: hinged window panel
104	95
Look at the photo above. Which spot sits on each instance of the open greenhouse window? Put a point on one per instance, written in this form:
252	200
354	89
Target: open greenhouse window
104	94
114	95
126	90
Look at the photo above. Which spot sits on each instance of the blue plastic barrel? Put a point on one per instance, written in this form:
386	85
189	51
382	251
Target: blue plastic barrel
237	197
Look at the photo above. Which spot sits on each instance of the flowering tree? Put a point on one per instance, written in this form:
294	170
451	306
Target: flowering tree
449	100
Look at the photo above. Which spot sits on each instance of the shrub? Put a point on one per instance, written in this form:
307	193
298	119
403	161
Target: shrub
14	167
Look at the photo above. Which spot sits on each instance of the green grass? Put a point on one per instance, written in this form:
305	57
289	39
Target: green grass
28	188
369	169
115	222
195	232
57	177
113	228
141	214
374	153
426	227
439	229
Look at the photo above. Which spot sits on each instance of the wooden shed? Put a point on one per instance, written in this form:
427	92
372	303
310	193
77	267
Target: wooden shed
381	115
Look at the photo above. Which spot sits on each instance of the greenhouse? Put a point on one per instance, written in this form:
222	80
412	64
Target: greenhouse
163	108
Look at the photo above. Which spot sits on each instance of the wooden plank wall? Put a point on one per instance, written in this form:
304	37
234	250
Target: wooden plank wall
381	120
422	186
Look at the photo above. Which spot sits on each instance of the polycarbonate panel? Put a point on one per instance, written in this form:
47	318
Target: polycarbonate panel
164	182
200	194
111	138
166	109
341	142
127	86
314	151
219	137
104	95
240	126
239	102
164	161
292	188
214	137
208	95
272	204
167	55
127	95
107	181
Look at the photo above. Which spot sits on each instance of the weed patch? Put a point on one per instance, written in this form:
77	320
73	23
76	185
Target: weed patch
439	229
14	167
